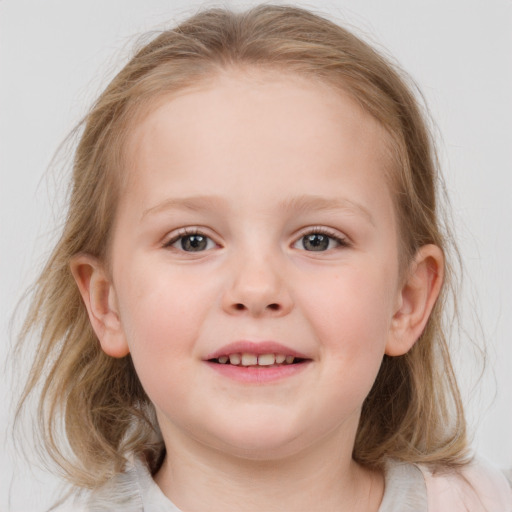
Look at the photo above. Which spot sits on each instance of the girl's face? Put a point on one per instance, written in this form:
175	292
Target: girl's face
256	223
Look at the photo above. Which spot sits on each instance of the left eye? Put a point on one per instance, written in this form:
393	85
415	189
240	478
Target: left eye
192	243
318	242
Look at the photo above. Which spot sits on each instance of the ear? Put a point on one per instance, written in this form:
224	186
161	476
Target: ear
100	300
416	299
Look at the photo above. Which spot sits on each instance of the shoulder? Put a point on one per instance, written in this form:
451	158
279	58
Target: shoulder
477	487
122	492
131	491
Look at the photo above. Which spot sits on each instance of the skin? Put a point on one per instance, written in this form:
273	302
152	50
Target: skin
278	157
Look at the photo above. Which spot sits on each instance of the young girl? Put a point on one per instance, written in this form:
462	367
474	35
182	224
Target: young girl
244	310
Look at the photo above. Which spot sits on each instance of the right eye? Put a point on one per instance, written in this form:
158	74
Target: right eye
191	242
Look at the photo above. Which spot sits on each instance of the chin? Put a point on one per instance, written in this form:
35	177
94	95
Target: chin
257	441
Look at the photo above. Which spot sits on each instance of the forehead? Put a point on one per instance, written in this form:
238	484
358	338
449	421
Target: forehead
251	125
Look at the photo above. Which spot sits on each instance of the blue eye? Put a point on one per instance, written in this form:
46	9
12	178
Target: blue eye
192	242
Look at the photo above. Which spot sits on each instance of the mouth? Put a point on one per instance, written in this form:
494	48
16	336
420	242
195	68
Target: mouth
257	362
248	359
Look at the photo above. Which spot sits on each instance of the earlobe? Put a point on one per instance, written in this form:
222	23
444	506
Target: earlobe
417	298
100	300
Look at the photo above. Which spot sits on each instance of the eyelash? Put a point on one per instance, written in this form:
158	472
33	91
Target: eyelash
190	232
318	230
184	233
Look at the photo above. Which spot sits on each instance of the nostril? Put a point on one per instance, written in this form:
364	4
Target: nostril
273	307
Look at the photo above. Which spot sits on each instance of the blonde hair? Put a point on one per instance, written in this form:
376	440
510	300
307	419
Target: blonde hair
414	410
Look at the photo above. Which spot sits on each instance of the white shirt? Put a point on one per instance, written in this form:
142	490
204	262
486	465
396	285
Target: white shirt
408	488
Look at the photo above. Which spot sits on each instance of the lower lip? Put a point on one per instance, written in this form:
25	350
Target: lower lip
259	374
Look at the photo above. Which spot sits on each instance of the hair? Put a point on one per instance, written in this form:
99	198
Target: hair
414	411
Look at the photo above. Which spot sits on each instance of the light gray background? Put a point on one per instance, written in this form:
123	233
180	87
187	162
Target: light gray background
55	56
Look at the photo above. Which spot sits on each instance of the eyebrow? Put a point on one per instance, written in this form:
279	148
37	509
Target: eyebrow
297	205
192	203
308	203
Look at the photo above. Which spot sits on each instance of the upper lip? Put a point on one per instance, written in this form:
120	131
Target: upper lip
255	347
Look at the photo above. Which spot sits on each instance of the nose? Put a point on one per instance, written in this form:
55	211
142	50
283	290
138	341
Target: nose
257	288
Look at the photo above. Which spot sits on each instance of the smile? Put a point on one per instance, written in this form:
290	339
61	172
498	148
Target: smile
259	362
248	359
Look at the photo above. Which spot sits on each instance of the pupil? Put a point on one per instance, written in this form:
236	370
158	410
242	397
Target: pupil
316	242
193	243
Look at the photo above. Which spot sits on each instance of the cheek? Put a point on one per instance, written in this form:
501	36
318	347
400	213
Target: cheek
351	315
356	304
160	317
160	333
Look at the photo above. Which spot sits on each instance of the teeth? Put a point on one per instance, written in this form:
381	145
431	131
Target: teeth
247	359
266	359
234	358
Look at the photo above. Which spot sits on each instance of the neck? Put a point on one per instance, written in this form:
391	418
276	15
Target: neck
322	477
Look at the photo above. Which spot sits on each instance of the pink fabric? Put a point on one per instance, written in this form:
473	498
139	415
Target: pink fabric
476	488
